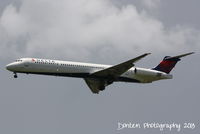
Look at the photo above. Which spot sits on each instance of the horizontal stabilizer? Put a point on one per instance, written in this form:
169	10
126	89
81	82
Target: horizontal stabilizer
168	63
179	56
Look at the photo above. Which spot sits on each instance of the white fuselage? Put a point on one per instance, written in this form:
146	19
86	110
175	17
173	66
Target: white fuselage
81	70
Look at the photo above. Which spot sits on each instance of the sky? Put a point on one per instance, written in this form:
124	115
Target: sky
106	32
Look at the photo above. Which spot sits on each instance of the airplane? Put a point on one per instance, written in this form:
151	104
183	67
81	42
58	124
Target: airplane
97	76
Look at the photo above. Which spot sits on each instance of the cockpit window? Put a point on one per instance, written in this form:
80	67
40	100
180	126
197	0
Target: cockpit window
18	60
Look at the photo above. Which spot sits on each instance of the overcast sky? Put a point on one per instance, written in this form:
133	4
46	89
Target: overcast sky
99	31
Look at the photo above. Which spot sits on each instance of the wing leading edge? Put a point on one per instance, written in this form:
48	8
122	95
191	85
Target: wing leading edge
105	77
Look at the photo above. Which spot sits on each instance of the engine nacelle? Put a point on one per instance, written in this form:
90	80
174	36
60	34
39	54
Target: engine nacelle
148	75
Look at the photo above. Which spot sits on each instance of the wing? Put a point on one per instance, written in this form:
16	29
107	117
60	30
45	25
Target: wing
117	70
100	79
96	85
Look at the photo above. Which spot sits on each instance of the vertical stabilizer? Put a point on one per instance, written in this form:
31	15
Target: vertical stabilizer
168	63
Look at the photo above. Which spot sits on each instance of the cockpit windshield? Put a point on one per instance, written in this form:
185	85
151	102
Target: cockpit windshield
18	60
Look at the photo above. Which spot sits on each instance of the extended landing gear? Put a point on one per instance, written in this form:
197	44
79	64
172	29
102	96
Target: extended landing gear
15	75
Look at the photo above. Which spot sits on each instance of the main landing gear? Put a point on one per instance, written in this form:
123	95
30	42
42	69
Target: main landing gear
15	75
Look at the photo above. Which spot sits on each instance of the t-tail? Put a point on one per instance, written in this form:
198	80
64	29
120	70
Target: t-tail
168	63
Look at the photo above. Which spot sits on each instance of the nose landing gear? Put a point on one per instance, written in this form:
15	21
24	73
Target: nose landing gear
15	75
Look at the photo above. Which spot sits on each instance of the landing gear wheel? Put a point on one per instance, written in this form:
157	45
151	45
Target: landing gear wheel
15	75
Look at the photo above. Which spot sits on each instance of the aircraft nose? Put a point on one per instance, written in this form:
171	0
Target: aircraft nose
10	67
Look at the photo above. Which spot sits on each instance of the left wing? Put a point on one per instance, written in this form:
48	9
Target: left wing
105	77
96	85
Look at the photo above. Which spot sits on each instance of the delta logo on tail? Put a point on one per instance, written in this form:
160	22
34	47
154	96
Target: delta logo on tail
169	63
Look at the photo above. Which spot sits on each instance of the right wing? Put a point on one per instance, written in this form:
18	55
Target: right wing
117	70
105	77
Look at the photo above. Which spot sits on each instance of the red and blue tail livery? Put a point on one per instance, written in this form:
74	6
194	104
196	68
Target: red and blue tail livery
169	63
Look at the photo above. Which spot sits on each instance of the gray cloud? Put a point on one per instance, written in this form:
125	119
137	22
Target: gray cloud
151	3
88	27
